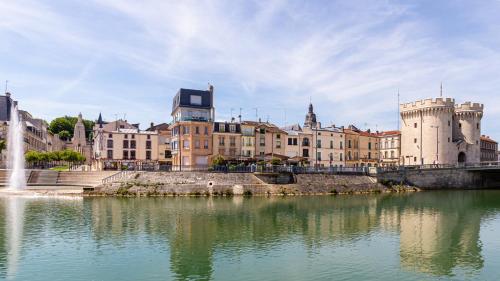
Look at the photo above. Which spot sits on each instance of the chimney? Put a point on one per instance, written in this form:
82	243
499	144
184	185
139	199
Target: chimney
7	94
152	125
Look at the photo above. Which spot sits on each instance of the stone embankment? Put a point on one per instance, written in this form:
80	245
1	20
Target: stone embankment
228	184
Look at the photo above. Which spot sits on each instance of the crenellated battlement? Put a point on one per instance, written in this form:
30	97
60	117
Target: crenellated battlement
427	103
469	106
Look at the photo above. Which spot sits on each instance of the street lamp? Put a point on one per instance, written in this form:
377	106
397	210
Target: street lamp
437	143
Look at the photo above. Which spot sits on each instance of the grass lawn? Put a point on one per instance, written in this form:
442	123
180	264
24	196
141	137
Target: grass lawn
60	168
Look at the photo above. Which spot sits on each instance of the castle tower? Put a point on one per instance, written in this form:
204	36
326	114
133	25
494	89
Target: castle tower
427	132
467	120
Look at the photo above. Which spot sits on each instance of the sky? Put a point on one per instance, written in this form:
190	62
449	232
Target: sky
127	59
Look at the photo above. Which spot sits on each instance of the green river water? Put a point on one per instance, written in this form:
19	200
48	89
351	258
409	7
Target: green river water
452	235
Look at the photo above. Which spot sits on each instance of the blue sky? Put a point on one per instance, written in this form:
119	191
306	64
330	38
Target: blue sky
349	57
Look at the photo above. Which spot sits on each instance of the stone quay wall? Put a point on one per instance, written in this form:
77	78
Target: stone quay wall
437	179
205	183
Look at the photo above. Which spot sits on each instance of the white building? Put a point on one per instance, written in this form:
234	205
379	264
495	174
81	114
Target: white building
438	131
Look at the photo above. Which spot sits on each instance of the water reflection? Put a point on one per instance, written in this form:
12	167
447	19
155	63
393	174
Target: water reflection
437	232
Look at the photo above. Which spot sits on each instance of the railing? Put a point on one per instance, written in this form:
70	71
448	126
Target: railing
480	165
117	176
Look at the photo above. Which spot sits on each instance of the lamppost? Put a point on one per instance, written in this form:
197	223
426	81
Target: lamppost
437	143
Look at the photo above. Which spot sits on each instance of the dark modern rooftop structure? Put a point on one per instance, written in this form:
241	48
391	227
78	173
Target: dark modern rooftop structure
193	105
6	102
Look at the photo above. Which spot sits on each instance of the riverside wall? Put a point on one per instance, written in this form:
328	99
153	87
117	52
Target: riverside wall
432	179
205	183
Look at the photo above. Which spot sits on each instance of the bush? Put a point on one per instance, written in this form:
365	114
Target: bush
218	161
275	161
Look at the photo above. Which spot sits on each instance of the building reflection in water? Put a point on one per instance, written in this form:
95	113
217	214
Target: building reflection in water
436	234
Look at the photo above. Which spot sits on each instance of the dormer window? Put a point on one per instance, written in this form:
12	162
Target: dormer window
195	100
222	128
232	128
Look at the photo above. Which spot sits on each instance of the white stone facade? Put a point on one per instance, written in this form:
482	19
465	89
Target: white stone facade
438	131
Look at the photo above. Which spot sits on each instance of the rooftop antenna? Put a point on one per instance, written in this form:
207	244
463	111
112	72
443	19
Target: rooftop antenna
6	85
441	92
398	110
267	118
256	113
239	116
232	109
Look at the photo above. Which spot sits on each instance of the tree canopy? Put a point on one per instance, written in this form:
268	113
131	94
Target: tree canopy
64	155
67	123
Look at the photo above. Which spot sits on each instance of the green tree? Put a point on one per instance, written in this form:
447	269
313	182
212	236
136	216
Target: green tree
275	161
65	135
3	145
67	123
32	156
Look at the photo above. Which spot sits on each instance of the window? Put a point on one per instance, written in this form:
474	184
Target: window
460	125
132	144
262	130
415	159
305	152
392	154
318	143
185	144
125	143
148	144
349	144
110	144
132	154
290	141
149	137
415	125
295	142
232	128
331	157
197	130
349	156
196	144
415	140
221	141
369	145
262	141
477	125
232	141
168	154
222	128
341	145
133	136
369	155
449	139
110	154
449	123
148	155
205	144
278	136
385	154
341	157
278	144
110	136
126	136
305	142
195	100
318	156
206	131
331	144
185	130
125	154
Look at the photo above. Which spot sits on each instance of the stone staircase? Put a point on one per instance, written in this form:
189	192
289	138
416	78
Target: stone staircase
83	178
43	177
4	177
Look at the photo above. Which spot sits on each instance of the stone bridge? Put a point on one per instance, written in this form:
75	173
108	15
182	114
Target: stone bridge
470	176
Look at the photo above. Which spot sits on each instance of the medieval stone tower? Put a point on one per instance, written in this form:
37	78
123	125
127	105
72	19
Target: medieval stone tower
437	131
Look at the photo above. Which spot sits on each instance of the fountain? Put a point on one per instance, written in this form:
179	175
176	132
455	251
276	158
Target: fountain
15	151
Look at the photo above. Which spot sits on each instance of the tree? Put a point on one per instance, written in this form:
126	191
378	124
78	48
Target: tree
3	145
65	135
32	156
67	123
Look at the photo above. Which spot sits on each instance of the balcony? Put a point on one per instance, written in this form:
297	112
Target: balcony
195	119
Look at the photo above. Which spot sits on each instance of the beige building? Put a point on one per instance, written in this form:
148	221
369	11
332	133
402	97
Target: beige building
489	149
120	145
327	146
298	146
269	141
438	131
248	140
390	148
351	146
164	143
362	148
227	140
193	116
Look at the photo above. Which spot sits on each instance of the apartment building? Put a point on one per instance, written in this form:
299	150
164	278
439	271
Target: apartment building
390	148
489	149
269	141
328	146
119	145
248	140
193	115
227	140
164	142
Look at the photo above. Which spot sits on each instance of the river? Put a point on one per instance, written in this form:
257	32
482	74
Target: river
449	235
